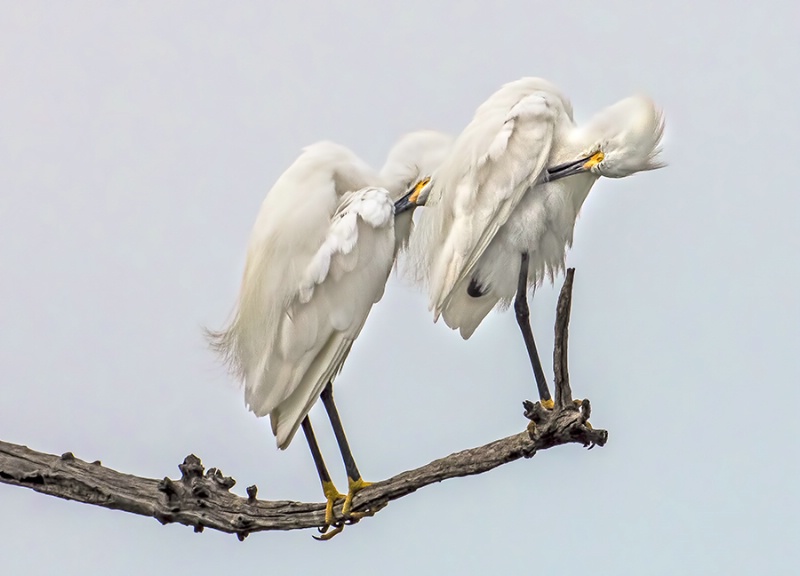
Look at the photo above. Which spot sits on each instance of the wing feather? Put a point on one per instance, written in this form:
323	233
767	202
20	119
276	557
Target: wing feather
495	160
340	303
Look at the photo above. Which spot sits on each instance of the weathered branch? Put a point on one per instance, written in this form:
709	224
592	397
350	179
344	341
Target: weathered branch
563	393
569	420
203	499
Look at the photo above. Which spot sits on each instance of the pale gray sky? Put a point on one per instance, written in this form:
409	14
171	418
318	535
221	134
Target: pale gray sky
137	140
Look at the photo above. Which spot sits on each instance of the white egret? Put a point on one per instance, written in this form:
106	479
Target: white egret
497	219
321	250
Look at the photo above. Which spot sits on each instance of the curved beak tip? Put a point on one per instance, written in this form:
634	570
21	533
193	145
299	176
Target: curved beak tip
412	198
594	161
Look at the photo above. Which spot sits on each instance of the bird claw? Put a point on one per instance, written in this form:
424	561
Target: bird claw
349	516
353	486
350	519
354	517
325	535
331	496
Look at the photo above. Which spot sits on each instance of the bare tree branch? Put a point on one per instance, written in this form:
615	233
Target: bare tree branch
203	499
563	392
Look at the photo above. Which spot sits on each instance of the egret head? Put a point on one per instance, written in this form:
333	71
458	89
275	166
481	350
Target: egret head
414	157
411	162
621	140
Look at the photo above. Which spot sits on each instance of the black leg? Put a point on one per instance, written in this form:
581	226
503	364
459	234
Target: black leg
524	321
354	480
349	462
322	470
330	491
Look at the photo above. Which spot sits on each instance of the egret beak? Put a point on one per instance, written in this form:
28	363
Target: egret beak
575	167
416	196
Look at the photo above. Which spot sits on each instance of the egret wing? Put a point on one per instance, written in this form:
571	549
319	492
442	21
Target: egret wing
501	154
342	281
312	272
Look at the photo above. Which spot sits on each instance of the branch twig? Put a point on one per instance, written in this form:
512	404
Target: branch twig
202	499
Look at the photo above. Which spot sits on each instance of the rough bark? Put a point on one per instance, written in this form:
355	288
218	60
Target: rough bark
202	499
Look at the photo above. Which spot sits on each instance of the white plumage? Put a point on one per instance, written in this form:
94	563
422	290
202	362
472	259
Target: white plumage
490	201
320	253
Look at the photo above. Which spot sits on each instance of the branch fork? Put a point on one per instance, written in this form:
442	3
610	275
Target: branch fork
568	421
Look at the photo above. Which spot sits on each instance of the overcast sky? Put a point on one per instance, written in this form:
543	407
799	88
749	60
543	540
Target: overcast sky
137	140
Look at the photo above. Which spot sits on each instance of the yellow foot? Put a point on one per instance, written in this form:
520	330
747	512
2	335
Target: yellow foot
353	487
354	517
549	404
331	495
370	512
